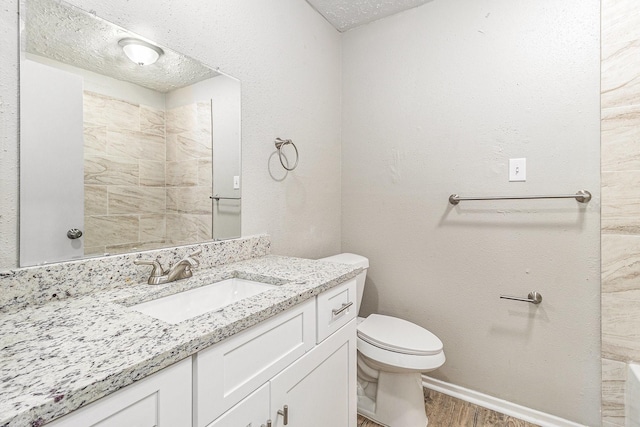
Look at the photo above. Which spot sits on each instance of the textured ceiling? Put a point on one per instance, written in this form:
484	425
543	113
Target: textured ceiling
348	14
64	33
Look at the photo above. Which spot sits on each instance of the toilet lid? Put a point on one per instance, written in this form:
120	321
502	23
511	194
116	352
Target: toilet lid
400	336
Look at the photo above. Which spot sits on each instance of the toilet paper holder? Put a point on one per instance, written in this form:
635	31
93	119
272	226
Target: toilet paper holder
533	297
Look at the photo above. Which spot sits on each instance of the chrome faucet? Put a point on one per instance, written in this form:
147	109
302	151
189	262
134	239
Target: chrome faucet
181	269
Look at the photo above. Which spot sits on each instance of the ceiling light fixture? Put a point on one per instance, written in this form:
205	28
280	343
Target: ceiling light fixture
140	52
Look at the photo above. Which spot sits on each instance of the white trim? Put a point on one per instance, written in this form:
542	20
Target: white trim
508	408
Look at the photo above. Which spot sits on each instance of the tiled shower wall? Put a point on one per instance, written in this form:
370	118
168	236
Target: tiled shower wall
148	175
620	172
124	175
189	178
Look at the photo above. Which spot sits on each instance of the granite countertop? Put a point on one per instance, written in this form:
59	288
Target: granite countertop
65	354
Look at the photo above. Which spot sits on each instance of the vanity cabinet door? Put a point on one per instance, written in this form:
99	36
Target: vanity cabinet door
253	411
160	400
227	372
319	389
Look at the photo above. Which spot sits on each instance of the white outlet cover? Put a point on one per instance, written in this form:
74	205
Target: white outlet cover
517	170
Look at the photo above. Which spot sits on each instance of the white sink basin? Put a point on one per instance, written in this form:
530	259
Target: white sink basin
186	305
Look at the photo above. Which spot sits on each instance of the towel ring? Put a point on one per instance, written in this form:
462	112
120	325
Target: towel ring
279	143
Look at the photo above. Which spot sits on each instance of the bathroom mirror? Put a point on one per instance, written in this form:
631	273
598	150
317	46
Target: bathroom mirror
125	145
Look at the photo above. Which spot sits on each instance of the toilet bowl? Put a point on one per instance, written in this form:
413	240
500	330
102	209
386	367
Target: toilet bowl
392	355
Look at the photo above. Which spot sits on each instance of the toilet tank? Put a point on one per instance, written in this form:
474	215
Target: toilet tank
355	261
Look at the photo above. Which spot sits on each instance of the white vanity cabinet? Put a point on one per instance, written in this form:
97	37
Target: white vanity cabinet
160	400
319	389
295	369
304	359
228	371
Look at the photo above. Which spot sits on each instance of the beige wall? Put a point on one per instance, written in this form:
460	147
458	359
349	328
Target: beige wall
435	101
288	60
620	202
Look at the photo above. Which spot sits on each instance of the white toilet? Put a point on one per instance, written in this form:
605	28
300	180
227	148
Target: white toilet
392	355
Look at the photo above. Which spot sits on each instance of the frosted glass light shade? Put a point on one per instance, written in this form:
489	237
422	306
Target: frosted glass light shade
140	52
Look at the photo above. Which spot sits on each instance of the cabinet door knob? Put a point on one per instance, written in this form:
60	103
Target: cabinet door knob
285	414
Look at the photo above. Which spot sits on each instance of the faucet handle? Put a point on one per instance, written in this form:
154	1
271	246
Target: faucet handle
194	261
157	269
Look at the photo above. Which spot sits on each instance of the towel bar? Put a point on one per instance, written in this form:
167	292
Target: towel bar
582	196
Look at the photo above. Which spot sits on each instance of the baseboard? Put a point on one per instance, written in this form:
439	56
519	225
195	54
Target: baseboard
508	408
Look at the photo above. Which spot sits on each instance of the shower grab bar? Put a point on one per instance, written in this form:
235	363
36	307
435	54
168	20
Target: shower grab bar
533	297
582	196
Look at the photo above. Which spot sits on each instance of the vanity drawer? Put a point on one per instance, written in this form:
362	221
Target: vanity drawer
336	307
228	371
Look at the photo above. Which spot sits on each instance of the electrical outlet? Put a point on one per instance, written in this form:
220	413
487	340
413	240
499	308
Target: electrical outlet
517	170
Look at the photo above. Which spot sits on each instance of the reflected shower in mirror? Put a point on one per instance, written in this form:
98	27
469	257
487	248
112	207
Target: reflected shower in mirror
125	145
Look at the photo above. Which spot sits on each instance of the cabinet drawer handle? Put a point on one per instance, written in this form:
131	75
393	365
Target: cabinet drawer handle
285	414
339	311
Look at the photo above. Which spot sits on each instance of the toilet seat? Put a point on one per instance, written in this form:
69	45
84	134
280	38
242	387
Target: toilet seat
384	347
398	335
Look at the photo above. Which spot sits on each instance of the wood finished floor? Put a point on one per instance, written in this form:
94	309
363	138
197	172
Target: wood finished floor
447	411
